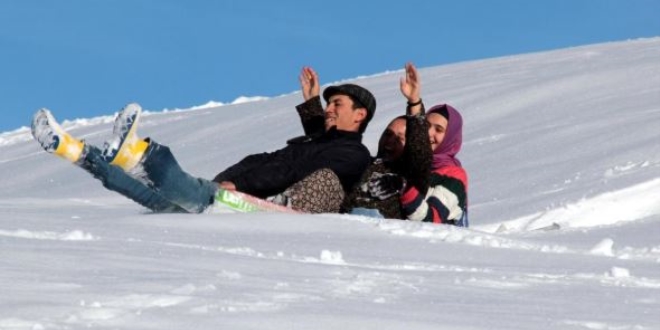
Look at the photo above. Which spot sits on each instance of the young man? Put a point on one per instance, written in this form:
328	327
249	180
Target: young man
334	143
329	162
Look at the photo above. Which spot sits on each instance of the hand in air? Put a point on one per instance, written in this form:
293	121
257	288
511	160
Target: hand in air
410	84
309	83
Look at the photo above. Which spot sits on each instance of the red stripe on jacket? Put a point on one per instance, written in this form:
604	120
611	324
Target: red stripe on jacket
411	195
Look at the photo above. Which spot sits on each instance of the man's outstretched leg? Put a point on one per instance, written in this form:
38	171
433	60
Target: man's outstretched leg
155	165
56	140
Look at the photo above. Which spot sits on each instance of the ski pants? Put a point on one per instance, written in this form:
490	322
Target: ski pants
160	185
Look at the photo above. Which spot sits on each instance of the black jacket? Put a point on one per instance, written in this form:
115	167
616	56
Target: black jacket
268	174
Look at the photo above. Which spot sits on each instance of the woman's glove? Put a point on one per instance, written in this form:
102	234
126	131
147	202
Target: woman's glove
382	186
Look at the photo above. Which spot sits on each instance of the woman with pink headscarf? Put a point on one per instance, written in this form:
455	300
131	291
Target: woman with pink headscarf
436	183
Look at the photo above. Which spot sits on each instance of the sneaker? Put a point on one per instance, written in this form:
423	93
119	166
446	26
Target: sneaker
125	149
53	138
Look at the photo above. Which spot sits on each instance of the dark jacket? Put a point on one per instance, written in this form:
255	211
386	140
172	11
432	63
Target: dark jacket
268	174
417	155
417	151
359	196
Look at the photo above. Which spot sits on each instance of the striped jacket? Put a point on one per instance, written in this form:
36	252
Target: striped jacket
438	196
445	200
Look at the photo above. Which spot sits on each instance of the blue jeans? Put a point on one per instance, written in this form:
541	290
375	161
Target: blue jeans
168	188
373	213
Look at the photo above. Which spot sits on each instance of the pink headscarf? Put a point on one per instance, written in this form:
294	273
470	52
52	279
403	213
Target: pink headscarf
445	153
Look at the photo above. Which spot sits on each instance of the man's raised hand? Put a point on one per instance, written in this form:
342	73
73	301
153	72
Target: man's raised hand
309	83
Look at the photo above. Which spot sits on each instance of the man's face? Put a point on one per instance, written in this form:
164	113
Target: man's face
340	113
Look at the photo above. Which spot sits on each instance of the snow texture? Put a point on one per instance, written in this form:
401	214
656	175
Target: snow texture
562	150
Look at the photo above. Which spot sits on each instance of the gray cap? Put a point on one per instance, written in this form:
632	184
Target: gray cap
360	94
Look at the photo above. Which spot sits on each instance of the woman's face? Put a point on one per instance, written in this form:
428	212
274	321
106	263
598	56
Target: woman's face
393	140
437	129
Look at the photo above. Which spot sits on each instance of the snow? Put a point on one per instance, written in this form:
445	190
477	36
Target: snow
563	155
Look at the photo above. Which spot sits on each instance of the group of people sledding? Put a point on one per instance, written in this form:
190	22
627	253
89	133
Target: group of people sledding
415	174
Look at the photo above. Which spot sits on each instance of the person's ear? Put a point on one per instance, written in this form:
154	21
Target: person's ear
361	114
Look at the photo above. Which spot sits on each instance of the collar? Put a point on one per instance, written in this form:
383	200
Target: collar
334	133
331	134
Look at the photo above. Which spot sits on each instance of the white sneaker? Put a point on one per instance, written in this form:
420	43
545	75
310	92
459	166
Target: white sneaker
53	138
125	149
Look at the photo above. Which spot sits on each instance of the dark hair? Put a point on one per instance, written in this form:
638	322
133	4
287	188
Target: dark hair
357	105
441	110
399	117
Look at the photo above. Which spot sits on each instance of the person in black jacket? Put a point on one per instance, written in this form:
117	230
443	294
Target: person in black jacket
312	172
334	143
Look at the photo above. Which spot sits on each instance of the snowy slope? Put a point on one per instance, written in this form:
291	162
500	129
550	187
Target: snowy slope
567	137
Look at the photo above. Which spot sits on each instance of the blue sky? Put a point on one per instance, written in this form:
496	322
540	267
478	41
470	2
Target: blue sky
84	58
